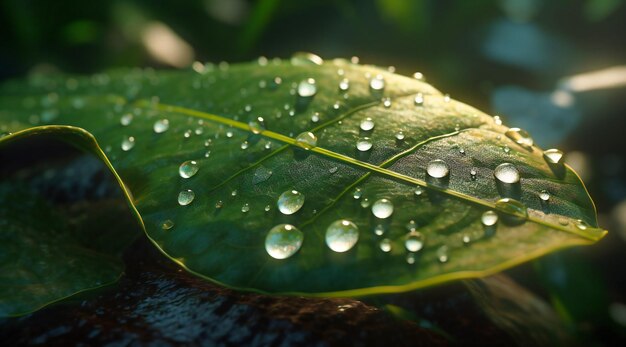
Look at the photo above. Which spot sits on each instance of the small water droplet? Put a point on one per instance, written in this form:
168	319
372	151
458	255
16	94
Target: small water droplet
410	258
268	145
379	229
307	88
365	203
411	225
387	102
187	133
466	239
385	245
489	218
126	119
229	133
267	208
219	204
367	124
521	137
377	83
507	173
167	224
245	208
161	126
342	235
364	144
506	149
128	144
553	156
446	98
399	135
544	195
419	99
414	241
244	145
461	151
473	173
333	169
418	191
357	193
581	224
382	208
290	202
283	241
442	254
344	84
207	154
307	140
188	169
315	117
438	169
497	120
257	125
418	76
233	193
512	207
185	197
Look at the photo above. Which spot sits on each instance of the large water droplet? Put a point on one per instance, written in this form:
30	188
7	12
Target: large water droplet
382	208
414	241
161	126
290	201
283	241
367	124
307	140
128	143
489	218
307	88
438	168
188	169
512	207
507	173
521	137
364	144
377	83
553	156
185	197
342	235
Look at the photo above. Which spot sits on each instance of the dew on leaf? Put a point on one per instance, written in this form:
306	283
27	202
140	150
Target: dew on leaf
399	135
307	88
244	145
342	235
126	119
410	258
387	102
411	225
167	224
365	203
497	120
161	126
283	241
414	241
245	208
188	168
544	195
553	156
128	144
581	224
419	99
507	173
344	84
185	197
257	125
442	254
357	193
489	218
367	124
385	245
521	137
377	83
289	202
512	207
438	169
379	229
307	140
382	208
364	144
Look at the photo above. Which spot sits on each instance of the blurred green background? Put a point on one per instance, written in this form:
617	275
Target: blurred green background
556	68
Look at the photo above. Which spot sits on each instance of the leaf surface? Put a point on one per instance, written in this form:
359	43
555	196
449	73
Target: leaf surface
212	115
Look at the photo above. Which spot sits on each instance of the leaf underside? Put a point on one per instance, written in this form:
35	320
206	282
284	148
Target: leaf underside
208	112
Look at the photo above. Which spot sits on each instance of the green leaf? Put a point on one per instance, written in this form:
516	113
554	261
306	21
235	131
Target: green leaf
243	168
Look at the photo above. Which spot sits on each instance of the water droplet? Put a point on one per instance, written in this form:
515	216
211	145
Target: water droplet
387	102
307	140
581	224
379	229
382	208
418	191
489	218
563	221
446	98
283	241
357	193
553	156
244	145
399	135
307	88
208	142
167	224
466	239
507	173
364	144
367	124
497	120
461	151
126	119
438	169
257	125
419	99
290	201
521	137
161	126
333	169
315	117
207	154
185	197
473	173
544	195
306	58
188	169
187	133
410	258
342	235
414	241
442	254
233	193
344	84
229	133
365	203
506	149
411	225
377	83
261	174
128	143
512	207
385	245
268	145
245	208
418	76
267	208
219	204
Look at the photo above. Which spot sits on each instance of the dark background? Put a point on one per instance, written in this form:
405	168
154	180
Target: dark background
515	58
